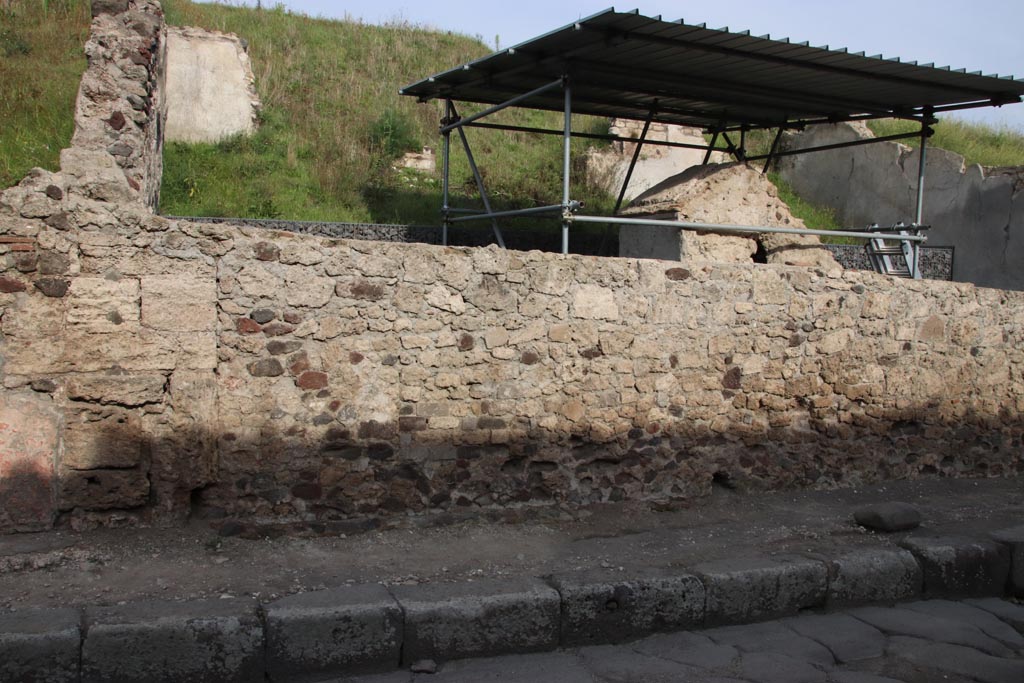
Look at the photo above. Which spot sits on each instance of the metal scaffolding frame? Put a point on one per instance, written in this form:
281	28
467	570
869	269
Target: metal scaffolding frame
569	210
728	84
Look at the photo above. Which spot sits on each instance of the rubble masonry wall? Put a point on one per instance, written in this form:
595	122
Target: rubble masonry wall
152	368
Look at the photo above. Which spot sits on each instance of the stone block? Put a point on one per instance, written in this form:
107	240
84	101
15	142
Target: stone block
313	636
29	438
604	607
128	390
1013	539
40	646
103	489
114	443
749	589
202	641
594	302
179	303
101	304
479	619
891	516
957	567
873	575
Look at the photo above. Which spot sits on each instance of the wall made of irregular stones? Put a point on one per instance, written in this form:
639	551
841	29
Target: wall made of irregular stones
276	376
151	368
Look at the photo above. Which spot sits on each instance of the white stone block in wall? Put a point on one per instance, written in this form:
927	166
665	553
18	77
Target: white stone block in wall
211	93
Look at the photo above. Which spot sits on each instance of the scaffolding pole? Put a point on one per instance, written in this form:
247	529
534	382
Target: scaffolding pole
566	164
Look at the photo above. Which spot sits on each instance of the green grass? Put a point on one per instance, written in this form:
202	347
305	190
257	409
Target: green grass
978	143
41	63
334	125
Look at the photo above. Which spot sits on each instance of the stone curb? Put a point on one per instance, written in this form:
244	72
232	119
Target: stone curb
372	628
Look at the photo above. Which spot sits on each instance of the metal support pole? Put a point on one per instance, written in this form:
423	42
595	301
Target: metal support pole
732	148
771	152
746	228
566	159
711	148
925	132
445	208
915	267
480	184
636	157
629	175
504	105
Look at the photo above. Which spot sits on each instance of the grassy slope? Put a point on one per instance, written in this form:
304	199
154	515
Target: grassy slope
978	143
41	63
333	125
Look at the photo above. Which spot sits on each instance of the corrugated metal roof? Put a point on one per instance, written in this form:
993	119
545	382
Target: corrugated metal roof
621	63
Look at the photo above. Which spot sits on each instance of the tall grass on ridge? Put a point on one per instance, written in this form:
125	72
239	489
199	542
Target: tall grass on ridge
334	125
41	62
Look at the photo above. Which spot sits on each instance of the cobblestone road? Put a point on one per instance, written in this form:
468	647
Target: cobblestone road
922	642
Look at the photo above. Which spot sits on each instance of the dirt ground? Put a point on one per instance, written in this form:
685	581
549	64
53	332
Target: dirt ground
114	566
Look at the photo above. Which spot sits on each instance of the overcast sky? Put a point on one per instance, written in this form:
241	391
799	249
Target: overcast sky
980	35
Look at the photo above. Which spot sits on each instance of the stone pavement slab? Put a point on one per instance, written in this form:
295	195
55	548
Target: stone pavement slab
40	645
766	667
772	637
847	638
903	622
957	659
1011	613
691	649
987	622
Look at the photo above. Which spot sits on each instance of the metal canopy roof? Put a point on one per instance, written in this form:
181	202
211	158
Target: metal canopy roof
623	64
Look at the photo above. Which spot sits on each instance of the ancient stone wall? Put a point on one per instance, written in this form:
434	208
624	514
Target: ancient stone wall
976	210
277	376
151	368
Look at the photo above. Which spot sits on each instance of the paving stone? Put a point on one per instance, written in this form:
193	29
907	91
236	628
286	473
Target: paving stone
847	638
873	575
557	667
888	517
763	667
750	589
209	641
1007	611
393	677
1013	539
773	637
897	621
616	663
40	645
985	621
339	631
692	649
604	607
960	567
957	659
482	618
858	677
